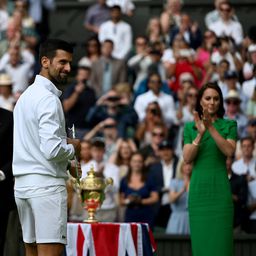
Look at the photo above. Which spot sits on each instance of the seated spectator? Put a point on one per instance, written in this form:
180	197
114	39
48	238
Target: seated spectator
165	101
6	99
4	16
118	31
108	210
179	221
162	173
234	112
96	15
189	30
92	52
127	6
107	70
251	107
226	26
138	193
77	100
143	134
117	106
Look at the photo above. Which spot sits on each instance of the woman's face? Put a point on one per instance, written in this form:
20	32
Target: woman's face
210	101
125	150
136	163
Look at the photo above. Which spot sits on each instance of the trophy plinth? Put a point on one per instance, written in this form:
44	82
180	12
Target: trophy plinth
92	191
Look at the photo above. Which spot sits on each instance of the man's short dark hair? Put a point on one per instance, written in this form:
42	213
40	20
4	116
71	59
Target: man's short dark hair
49	47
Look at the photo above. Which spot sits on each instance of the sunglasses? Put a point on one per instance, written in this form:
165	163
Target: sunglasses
154	81
225	9
157	134
233	102
190	95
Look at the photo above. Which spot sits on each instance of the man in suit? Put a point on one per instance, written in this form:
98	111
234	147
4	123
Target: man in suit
162	173
7	202
107	71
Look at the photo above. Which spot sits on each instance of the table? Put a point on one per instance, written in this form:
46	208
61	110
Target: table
110	239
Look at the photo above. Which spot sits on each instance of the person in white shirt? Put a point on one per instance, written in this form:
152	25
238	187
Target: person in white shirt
108	210
249	86
41	154
165	101
119	31
226	26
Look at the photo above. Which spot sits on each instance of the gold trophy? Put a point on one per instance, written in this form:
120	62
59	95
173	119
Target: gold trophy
92	192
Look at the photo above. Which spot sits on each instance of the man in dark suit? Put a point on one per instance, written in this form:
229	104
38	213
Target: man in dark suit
7	202
162	173
107	71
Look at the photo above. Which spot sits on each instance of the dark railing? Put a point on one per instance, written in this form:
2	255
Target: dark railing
244	245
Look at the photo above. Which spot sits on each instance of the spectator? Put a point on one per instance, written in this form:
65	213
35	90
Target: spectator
215	15
114	105
4	16
77	100
239	188
127	6
170	17
162	173
154	31
226	26
118	31
138	193
96	15
179	222
249	64
6	98
107	131
248	87
246	166
189	30
165	101
233	111
226	50
92	52
107	70
108	210
19	72
140	62
144	129
151	152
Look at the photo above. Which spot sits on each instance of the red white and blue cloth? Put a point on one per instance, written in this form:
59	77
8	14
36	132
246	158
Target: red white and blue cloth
110	239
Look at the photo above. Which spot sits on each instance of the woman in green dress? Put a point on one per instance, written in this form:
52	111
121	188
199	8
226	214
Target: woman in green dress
208	141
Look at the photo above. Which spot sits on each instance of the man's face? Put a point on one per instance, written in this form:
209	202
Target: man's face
166	154
247	148
97	154
59	67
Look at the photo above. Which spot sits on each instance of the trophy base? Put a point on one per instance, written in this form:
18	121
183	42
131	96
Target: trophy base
90	221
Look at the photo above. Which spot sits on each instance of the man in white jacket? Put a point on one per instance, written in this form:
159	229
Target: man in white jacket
42	153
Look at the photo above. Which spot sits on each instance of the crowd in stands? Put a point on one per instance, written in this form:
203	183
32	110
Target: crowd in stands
130	98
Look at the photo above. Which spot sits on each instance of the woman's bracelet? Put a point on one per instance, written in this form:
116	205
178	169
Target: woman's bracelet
195	144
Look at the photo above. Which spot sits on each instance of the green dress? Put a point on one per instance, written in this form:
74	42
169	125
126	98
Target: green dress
210	201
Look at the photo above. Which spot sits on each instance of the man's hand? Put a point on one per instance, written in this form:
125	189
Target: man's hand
75	169
77	145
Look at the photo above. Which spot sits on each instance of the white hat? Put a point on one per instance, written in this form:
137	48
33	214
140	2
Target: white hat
5	80
233	94
186	76
252	48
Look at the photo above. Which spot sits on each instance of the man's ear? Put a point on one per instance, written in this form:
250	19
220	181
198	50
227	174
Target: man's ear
45	62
